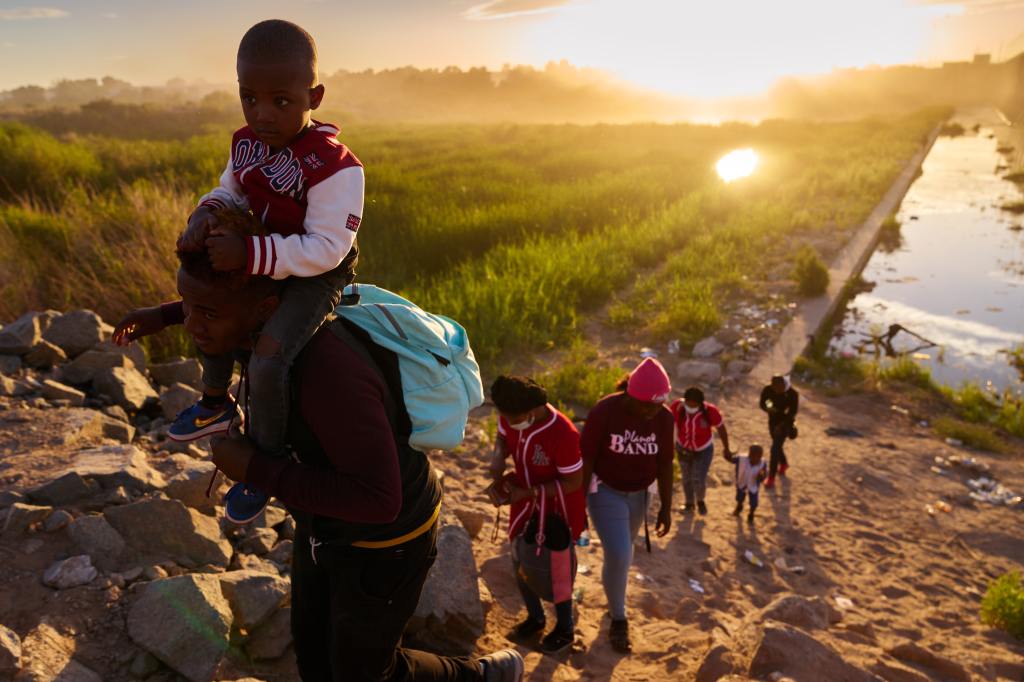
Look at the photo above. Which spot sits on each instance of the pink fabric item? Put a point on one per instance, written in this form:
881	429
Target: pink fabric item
649	382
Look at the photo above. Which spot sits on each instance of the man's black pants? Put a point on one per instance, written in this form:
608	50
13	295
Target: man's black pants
779	432
350	607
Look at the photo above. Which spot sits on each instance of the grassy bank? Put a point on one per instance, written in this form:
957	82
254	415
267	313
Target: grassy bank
516	231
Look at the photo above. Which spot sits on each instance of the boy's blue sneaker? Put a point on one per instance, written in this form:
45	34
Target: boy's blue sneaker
199	420
242	504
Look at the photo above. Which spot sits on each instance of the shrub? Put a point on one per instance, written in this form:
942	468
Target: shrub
980	436
1003	604
580	378
810	272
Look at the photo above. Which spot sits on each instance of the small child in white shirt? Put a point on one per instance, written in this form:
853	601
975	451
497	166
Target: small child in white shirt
750	471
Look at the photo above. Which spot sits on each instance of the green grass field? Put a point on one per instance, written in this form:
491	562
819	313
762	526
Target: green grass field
519	232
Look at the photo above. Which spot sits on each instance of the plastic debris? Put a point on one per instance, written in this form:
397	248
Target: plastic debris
941	461
583	569
696	586
673	347
752	559
930	509
985	489
943	506
648	353
583	540
901	410
844	603
956	442
939	471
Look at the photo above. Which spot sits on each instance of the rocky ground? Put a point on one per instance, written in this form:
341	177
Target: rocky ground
117	566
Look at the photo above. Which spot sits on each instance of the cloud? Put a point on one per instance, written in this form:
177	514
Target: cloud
506	9
977	6
23	13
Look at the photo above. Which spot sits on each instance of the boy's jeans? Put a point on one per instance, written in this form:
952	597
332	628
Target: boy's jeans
305	304
741	493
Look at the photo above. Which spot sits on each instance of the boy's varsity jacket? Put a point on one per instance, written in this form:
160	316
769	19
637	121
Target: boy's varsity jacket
309	195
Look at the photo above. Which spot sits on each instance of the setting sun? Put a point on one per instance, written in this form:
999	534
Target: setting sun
737	164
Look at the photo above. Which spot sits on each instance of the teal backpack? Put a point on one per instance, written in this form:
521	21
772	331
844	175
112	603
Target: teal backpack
440	377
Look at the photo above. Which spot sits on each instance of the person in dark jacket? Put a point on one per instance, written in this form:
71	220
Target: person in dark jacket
365	503
781	401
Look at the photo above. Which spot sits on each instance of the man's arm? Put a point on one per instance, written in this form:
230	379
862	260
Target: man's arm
498	456
794	406
764	400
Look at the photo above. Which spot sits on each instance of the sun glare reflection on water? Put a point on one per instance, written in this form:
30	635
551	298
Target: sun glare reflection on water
737	164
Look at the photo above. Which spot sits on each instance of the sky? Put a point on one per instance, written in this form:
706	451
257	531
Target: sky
693	48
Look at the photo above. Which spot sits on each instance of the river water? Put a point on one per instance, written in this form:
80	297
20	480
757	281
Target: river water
955	275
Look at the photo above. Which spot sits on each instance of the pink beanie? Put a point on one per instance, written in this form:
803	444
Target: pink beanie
649	382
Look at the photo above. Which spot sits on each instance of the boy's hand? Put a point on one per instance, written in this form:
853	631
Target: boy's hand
227	249
138	323
200	223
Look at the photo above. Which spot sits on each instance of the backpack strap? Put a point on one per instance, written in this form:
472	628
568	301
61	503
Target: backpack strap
340	329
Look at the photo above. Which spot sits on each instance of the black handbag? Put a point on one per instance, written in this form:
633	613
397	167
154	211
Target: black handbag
793	432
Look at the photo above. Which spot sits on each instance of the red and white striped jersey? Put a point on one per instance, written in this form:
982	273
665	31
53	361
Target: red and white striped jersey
309	196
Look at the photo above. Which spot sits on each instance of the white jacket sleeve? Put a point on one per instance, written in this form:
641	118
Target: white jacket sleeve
228	194
334	209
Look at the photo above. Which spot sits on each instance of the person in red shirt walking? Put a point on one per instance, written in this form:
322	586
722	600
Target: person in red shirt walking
546	483
627	445
695	419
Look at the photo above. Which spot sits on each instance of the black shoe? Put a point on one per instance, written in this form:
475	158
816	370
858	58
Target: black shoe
687	509
738	510
557	641
527	630
618	633
750	517
702	508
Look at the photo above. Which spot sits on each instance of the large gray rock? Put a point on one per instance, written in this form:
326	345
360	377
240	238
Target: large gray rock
126	386
44	355
117	465
170	528
253	596
66	489
84	368
796	654
177	398
20	516
97	538
806	613
9	364
190	483
75	332
188	372
10	652
699	372
132	351
272	638
449	616
47	657
708	348
58	519
185	622
53	390
20	336
72	572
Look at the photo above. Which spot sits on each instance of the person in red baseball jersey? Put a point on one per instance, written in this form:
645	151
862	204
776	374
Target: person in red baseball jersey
545	449
306	189
627	446
695	419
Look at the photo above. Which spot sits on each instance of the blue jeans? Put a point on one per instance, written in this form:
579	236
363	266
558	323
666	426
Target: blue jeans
741	493
617	517
695	467
305	304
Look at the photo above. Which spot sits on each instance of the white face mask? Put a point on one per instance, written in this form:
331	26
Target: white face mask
523	425
691	410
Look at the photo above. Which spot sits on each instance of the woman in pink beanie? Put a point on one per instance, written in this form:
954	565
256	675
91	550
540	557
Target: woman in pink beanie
627	446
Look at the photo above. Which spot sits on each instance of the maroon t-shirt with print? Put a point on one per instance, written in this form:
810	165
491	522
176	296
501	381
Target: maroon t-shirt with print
625	449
